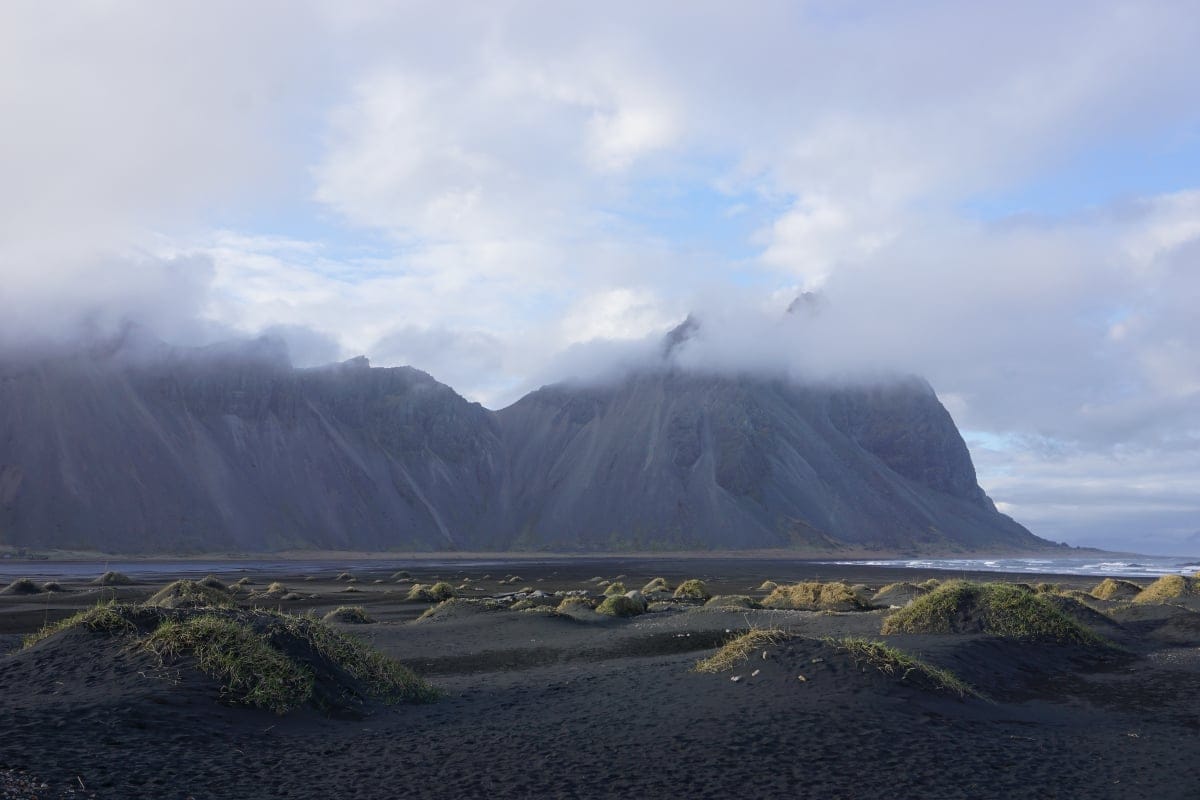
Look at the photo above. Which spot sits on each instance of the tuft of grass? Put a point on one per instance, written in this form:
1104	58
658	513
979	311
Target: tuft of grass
898	664
52	586
111	578
213	582
997	609
768	586
616	587
386	679
618	605
345	577
250	670
574	604
22	586
930	584
1168	587
351	615
739	648
656	585
430	594
1115	589
190	594
692	589
107	617
812	596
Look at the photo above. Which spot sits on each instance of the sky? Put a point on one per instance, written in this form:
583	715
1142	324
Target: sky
1003	198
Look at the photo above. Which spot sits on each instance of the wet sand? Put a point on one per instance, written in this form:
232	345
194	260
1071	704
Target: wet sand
542	705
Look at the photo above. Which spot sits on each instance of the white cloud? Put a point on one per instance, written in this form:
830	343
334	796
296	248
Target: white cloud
508	164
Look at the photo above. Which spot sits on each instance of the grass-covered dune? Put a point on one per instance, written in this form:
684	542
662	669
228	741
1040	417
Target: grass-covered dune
263	659
997	609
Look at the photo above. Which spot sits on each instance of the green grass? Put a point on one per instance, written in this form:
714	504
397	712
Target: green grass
250	671
997	609
898	664
107	617
618	605
614	588
262	659
738	649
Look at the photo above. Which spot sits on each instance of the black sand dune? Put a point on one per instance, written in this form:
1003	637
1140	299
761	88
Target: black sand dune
544	704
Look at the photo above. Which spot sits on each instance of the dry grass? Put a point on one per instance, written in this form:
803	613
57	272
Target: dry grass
813	596
692	589
350	615
190	594
1168	587
656	585
898	664
1114	589
574	604
614	588
739	648
111	578
430	594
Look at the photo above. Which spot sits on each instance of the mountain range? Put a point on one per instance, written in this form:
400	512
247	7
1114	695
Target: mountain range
138	447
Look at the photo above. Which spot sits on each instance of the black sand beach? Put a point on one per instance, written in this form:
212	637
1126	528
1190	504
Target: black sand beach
542	704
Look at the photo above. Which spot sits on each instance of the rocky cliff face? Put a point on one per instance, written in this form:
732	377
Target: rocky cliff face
233	450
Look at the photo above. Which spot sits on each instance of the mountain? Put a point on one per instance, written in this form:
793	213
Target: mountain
156	449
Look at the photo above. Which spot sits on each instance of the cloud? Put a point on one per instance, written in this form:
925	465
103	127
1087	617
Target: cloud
521	191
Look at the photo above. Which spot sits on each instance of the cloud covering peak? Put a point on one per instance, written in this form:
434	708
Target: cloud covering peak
1004	200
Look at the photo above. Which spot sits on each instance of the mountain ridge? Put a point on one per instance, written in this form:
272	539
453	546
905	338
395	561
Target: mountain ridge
228	449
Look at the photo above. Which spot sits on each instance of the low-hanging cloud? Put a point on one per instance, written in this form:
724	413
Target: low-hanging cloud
528	192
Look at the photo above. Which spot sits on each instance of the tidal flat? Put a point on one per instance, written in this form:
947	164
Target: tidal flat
601	678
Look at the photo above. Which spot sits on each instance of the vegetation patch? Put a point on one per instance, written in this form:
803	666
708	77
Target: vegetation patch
616	587
692	589
997	609
1115	589
836	596
251	672
430	594
898	664
213	582
459	606
1168	587
108	618
619	605
190	594
52	586
574	604
111	578
739	648
349	615
263	659
22	586
656	585
768	586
